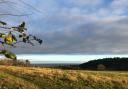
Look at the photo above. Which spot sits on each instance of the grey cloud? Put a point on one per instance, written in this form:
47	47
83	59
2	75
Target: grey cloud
71	30
85	2
93	37
86	37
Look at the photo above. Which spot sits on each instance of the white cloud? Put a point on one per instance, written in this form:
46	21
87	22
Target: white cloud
119	7
85	2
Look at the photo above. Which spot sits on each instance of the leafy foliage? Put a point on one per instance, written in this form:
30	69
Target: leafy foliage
10	36
8	54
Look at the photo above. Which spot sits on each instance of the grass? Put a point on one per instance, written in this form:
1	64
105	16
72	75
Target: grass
48	78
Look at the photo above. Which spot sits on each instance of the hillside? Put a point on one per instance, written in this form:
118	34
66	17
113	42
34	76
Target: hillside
47	78
106	64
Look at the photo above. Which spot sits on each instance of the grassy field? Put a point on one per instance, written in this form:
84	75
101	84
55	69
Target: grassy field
47	78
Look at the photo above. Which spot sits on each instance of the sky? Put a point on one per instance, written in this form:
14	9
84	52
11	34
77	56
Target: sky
72	26
77	59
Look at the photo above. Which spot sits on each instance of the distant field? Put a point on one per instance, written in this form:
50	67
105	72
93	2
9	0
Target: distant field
48	78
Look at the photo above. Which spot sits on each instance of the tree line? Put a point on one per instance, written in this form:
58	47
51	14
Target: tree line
115	63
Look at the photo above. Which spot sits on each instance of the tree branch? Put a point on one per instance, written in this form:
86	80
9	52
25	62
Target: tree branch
5	27
14	14
6	2
30	6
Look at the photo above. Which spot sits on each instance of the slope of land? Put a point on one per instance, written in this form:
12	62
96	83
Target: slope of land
115	63
48	78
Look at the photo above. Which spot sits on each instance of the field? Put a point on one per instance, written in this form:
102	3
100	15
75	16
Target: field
49	78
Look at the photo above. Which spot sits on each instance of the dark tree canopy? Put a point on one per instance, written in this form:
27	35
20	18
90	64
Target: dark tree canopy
115	63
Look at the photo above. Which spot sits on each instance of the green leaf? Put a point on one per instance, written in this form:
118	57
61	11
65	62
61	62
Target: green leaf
2	35
8	54
40	41
3	23
22	24
20	36
14	38
24	40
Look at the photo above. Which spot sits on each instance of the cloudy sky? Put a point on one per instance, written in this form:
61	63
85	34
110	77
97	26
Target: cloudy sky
72	26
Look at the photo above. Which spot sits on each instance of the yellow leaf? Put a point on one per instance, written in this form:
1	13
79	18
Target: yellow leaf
8	39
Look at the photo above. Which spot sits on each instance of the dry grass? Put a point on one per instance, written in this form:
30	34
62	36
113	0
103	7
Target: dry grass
47	78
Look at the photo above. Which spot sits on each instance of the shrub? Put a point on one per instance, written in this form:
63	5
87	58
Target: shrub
101	67
9	62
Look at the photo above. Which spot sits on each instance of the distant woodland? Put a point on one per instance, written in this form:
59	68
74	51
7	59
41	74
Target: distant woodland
106	64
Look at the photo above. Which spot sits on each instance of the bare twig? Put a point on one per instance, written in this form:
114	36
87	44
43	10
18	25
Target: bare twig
14	14
6	2
5	27
30	6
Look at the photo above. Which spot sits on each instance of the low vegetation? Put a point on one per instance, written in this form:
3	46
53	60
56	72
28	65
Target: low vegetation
10	62
12	77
